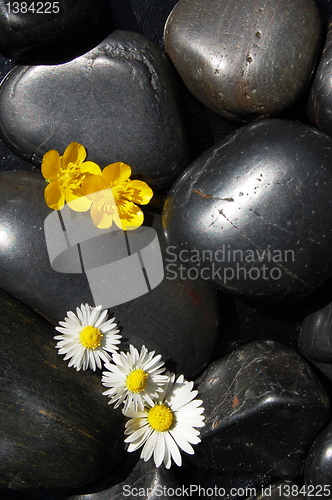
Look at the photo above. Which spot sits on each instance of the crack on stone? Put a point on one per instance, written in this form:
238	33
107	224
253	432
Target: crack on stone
212	197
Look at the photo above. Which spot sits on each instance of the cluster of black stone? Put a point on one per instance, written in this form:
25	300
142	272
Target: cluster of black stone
245	233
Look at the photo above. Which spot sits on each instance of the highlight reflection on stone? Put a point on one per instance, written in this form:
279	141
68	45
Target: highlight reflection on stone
244	59
231	213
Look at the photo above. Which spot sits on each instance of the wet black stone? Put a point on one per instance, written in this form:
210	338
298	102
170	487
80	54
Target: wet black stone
57	430
318	469
118	100
319	107
315	338
264	407
252	213
44	31
228	54
178	319
143	481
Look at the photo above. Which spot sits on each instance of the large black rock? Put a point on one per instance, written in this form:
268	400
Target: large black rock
263	407
319	106
118	100
318	470
229	53
252	214
178	319
57	430
315	337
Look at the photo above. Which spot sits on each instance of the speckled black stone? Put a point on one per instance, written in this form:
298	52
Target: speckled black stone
319	107
229	53
57	430
264	407
118	100
253	214
44	31
315	337
318	470
178	319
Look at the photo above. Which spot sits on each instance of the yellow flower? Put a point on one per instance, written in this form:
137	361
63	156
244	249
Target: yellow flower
65	175
112	197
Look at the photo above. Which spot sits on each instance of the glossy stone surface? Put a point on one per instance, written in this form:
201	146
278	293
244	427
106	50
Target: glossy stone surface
229	53
320	100
170	319
47	29
315	338
318	470
231	214
264	407
143	481
57	430
118	100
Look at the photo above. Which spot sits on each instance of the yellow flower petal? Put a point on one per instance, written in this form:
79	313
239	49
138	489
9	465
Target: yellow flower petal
137	191
116	173
74	153
53	195
93	184
51	165
128	216
100	218
78	204
90	167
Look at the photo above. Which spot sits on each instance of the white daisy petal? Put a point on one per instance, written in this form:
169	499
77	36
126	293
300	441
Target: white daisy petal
168	425
87	338
149	446
174	450
159	451
182	443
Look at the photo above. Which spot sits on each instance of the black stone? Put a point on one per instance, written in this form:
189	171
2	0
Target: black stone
57	430
315	338
264	407
143	481
319	107
178	319
318	469
46	31
252	213
228	53
118	100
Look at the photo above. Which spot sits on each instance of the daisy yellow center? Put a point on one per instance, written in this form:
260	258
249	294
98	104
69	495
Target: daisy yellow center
136	380
90	337
160	417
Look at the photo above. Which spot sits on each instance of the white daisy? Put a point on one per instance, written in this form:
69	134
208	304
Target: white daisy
134	378
86	336
167	425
